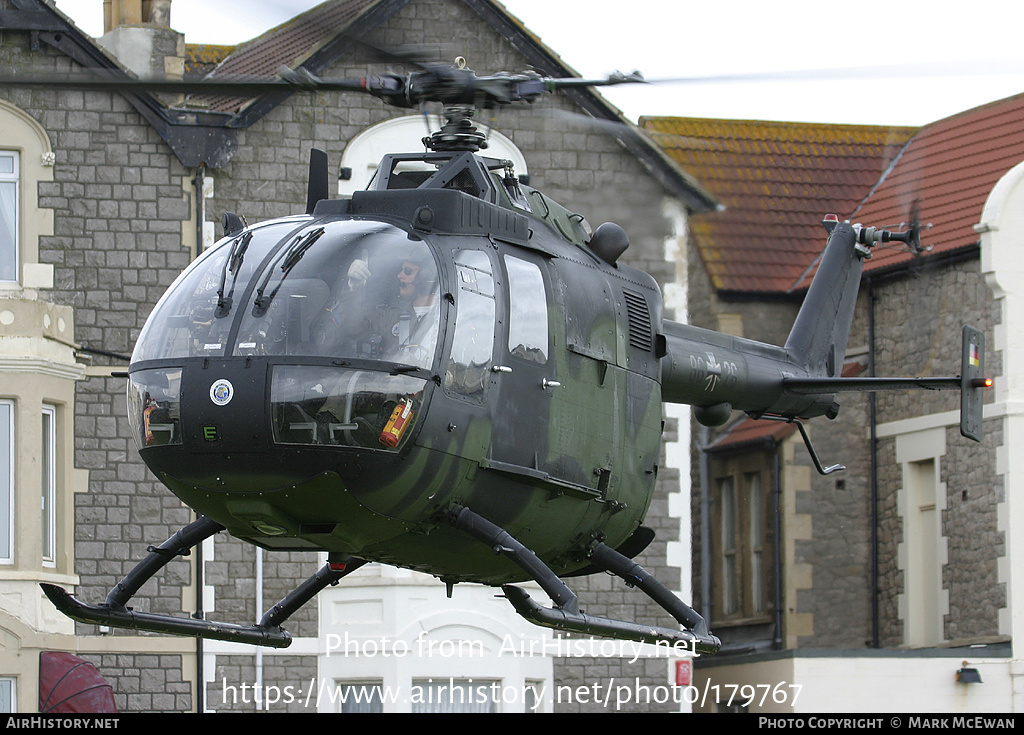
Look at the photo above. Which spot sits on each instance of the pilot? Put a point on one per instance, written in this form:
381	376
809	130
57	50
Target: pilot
403	325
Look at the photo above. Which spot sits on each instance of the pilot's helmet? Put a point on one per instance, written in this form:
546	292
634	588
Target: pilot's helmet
419	254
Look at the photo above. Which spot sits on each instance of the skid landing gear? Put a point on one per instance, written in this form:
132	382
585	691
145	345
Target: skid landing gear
268	632
566	614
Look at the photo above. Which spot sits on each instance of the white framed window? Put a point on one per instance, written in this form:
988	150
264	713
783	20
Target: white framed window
8	694
454	695
923	575
531	696
48	473
6	481
10	173
359	697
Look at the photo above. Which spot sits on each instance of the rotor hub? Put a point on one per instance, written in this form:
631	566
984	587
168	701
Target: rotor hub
458	132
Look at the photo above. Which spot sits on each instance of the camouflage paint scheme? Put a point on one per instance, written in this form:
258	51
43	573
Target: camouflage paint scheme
557	466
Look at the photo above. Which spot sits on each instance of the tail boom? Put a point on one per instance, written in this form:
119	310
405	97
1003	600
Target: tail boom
718	373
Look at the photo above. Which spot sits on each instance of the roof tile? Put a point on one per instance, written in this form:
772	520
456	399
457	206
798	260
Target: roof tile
289	44
776	180
945	177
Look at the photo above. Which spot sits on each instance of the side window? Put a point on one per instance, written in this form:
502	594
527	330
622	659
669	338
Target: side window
6	481
8	700
26	160
528	311
9	173
470	364
48	485
360	697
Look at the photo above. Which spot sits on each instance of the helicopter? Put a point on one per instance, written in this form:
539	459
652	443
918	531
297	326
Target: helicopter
452	373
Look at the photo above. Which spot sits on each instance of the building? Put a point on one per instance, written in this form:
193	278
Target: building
870	589
114	194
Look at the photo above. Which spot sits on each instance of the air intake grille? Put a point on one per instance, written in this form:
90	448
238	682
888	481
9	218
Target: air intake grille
640	333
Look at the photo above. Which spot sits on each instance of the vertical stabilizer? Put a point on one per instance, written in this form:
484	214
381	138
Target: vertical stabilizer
822	327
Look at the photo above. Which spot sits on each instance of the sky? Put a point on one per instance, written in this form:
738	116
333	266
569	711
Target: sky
924	63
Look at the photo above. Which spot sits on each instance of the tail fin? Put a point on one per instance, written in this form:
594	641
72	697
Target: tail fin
822	327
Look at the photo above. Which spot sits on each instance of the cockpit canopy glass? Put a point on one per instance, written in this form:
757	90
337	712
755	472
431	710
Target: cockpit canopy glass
355	289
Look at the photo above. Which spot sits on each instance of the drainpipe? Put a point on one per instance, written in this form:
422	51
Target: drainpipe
873	456
200	579
261	702
200	693
777	642
705	524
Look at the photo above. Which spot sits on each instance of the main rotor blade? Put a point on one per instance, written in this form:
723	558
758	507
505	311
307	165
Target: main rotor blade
612	79
229	86
924	69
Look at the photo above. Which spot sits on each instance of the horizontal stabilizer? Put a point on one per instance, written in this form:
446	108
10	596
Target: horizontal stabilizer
971	383
865	385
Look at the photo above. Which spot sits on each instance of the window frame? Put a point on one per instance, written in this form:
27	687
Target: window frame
473	287
466	687
13	681
375	706
8	493
49	484
742	571
528	292
22	133
13	178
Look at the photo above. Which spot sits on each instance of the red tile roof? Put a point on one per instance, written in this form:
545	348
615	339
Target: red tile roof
750	431
946	174
776	181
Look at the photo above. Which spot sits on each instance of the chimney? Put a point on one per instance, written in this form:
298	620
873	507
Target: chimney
139	35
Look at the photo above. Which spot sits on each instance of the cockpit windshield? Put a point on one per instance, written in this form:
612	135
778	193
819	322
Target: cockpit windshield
356	289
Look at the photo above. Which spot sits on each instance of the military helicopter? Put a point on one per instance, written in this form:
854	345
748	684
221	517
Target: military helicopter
449	372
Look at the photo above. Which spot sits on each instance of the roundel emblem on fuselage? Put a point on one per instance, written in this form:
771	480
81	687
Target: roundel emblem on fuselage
221	392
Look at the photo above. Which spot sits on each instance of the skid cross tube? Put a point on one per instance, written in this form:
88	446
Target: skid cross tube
566	614
115	613
609	559
159	556
503	543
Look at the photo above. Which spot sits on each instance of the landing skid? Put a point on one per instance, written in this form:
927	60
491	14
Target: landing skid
115	613
566	614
